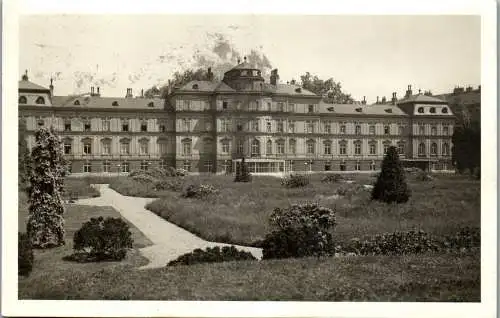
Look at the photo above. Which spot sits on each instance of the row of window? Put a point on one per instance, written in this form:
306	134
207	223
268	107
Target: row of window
106	147
106	126
252	106
23	100
124	167
432	110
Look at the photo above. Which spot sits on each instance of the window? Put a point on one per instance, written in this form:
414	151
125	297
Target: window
310	108
255	125
162	128
186	147
106	124
421	129
106	147
342	166
328	127
151	104
279	125
255	148
372	129
280	147
310	126
342	147
76	103
87	148
125	147
87	126
23	100
433	130
125	167
401	148
40	100
67	147
328	166
420	110
144	165
386	147
240	146
269	147
143	147
292	144
357	167
186	124
208	125
208	165
281	107
224	125
387	129
87	167
373	148
434	149
372	166
124	125
225	146
432	110
291	126
144	126
310	147
421	149
224	105
358	129
186	165
115	103
106	166
446	131
342	129
400	129
444	110
40	122
163	147
357	148
67	126
446	149
268	126
327	147
291	108
239	126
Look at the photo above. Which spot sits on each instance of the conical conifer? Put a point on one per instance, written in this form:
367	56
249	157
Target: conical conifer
391	183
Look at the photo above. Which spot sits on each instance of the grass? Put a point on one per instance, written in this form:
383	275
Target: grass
410	278
49	264
240	213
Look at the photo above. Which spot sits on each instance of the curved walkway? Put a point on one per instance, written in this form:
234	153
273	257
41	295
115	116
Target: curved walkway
169	240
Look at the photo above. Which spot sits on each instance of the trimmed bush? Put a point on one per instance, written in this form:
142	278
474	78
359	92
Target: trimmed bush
212	255
295	181
391	184
332	178
102	239
199	191
25	256
300	230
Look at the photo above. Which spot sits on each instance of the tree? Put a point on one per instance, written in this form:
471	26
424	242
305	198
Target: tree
466	151
391	184
330	90
179	79
23	156
45	226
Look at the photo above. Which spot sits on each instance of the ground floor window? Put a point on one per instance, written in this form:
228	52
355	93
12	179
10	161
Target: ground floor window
106	166
357	167
87	167
186	166
372	166
342	166
125	167
144	166
226	166
208	166
445	166
328	166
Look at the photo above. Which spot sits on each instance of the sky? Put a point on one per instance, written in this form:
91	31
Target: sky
370	55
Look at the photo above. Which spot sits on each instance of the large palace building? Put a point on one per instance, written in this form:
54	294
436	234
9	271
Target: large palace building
208	126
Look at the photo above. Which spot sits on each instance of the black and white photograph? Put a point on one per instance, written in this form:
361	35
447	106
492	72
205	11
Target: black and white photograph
254	157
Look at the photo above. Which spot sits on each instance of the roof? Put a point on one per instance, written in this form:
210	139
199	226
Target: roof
208	86
466	98
201	86
243	66
107	102
27	85
352	109
420	98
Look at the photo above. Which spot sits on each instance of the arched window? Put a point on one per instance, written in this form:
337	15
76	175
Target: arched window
373	147
76	102
124	146
40	100
162	145
67	146
310	146
225	146
269	147
446	149
434	149
421	149
444	110
186	147
357	147
343	147
23	100
401	148
87	146
280	146
421	110
327	147
255	151
432	110
292	144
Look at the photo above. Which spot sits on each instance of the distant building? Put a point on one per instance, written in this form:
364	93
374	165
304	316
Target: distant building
465	103
208	126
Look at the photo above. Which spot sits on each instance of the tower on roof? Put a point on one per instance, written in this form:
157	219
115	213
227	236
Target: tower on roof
25	75
244	77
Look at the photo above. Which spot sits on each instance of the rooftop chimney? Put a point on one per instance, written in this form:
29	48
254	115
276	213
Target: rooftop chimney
25	75
377	100
51	87
142	93
394	98
129	93
364	100
245	59
239	60
384	100
274	77
91	90
210	75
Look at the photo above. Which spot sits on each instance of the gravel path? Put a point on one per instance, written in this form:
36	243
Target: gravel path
169	240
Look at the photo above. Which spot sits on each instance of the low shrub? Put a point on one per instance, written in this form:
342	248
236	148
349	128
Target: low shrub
199	191
350	190
25	255
212	255
102	239
295	181
172	184
332	178
467	237
424	176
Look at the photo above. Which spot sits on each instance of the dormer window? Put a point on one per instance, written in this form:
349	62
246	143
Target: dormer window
115	103
76	103
444	110
420	110
331	109
359	109
195	86
388	110
151	104
40	100
432	110
298	90
244	73
23	100
224	105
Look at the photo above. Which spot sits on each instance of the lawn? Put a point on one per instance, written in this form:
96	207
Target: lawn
240	213
382	278
49	265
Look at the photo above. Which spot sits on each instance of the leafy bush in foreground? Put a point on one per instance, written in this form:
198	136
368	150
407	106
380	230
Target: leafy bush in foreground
212	255
172	184
199	191
24	255
102	239
295	181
